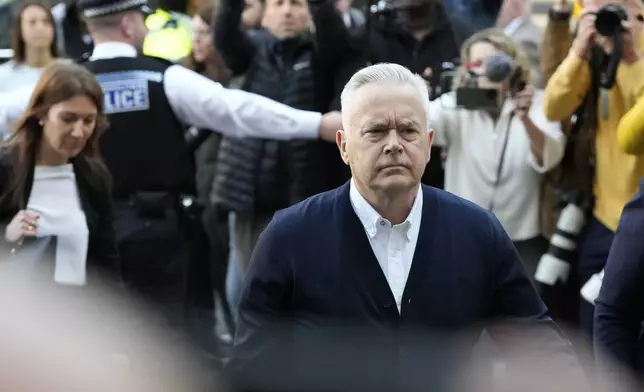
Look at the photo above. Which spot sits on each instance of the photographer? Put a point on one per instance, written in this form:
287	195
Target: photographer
496	155
608	177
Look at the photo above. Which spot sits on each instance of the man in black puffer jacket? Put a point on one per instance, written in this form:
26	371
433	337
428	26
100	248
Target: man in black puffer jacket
301	58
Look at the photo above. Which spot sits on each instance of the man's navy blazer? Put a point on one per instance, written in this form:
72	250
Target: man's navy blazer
619	308
317	312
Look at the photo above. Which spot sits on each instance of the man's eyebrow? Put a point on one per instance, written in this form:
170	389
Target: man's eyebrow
410	123
375	123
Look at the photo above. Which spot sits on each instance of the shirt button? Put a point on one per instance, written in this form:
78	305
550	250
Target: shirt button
382	223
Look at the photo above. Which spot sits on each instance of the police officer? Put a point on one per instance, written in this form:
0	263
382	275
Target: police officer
149	101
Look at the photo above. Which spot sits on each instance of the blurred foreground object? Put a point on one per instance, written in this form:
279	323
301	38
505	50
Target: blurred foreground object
56	340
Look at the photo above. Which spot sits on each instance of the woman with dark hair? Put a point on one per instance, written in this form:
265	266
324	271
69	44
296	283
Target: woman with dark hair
33	41
204	59
52	179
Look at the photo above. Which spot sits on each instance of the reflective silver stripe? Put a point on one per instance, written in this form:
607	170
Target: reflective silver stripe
113	8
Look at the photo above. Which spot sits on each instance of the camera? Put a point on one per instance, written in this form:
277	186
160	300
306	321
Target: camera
497	68
609	18
555	265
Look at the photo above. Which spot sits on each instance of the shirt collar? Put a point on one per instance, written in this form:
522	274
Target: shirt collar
109	50
370	217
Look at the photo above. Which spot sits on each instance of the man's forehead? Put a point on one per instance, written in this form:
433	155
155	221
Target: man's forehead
374	104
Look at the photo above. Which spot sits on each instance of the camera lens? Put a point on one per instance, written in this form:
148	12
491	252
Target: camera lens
609	19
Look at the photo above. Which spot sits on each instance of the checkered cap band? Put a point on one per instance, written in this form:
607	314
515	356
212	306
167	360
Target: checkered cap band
112	8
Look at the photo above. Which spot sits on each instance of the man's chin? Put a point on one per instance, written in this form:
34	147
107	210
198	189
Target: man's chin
396	183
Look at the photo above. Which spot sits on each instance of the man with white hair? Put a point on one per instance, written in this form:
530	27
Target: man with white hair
364	287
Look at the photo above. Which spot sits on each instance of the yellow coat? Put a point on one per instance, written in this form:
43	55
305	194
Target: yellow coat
617	170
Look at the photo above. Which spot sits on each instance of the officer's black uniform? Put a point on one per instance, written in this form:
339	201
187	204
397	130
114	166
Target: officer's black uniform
150	162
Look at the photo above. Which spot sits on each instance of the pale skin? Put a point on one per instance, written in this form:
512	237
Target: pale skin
386	142
66	128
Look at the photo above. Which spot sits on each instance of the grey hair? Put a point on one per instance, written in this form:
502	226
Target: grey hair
383	73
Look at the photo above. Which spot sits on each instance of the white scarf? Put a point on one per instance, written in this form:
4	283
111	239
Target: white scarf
54	195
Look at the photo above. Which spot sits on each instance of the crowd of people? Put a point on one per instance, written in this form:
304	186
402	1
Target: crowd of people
312	163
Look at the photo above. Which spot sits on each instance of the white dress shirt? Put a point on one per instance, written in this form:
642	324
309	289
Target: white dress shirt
474	143
200	102
393	246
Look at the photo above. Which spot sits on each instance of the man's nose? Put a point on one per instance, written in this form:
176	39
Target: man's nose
287	9
392	142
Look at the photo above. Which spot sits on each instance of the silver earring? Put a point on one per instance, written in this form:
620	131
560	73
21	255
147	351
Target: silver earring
41	123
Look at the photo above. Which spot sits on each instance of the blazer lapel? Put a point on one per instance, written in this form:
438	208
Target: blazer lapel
359	260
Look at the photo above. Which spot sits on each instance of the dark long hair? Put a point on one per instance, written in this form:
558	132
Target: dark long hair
59	82
17	41
217	71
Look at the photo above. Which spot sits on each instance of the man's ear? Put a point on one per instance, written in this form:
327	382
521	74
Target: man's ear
341	142
430	141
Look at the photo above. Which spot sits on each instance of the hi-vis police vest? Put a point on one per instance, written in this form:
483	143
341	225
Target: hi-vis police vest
144	146
169	37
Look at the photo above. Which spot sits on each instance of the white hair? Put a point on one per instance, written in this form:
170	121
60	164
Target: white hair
383	73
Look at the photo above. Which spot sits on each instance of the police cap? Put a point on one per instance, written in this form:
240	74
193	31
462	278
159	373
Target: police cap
98	8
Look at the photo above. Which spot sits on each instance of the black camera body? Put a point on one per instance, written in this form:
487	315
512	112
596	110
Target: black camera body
608	23
609	18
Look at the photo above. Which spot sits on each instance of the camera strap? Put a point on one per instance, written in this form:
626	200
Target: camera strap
499	168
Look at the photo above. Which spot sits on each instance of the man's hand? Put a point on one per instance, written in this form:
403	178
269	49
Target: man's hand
331	122
523	102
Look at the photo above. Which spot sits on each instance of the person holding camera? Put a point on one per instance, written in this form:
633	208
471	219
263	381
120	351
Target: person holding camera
601	78
498	148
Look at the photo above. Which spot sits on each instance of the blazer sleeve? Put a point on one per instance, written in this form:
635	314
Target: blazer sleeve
261	342
514	297
619	308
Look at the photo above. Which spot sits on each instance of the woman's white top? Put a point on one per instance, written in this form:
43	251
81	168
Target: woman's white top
54	195
474	143
14	76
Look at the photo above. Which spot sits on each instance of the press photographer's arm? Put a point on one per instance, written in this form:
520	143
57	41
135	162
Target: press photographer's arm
535	134
630	132
569	84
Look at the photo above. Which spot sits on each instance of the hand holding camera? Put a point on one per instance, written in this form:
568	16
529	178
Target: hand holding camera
523	102
603	25
586	34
